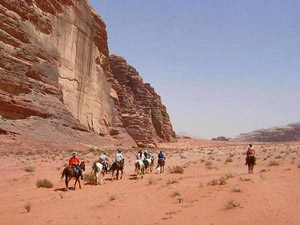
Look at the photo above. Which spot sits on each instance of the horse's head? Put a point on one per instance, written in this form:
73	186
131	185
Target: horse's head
82	165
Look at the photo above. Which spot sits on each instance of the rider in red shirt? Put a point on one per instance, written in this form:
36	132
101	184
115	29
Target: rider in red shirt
74	162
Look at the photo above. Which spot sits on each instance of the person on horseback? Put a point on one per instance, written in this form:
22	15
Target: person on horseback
119	157
75	162
140	155
146	154
104	161
160	156
250	152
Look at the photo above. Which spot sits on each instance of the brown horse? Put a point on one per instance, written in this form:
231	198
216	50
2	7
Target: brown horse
251	162
69	173
116	166
161	165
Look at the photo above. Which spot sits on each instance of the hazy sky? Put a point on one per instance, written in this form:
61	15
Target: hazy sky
222	67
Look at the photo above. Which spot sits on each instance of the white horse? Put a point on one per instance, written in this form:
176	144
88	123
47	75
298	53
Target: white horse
98	169
139	169
150	164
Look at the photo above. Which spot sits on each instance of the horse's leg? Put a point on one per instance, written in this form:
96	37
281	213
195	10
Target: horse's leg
79	183
121	174
117	174
112	175
76	179
67	182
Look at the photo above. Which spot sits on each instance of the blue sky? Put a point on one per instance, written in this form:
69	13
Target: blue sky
222	67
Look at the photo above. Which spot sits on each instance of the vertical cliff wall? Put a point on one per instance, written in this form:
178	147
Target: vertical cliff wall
142	113
54	63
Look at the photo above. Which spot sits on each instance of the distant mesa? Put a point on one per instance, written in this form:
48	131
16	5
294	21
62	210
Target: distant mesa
290	132
221	138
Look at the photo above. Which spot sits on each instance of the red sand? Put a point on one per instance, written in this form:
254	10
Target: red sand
269	196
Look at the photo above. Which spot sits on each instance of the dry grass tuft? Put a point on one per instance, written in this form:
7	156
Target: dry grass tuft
29	169
273	163
89	177
112	197
236	189
44	183
152	180
176	169
172	181
220	181
28	207
231	204
175	194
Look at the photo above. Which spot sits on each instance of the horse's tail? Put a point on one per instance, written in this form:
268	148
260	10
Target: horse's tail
63	173
113	167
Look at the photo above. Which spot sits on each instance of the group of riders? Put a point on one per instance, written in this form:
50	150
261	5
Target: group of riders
143	156
74	161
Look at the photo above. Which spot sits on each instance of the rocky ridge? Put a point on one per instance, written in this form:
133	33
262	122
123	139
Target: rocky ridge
290	132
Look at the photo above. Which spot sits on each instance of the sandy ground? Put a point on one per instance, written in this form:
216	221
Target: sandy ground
269	196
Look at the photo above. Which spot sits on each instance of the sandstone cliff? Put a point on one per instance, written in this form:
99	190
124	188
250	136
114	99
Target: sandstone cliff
289	132
55	72
54	63
142	113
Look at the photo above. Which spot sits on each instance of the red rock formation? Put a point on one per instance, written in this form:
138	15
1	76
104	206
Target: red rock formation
54	63
142	113
55	66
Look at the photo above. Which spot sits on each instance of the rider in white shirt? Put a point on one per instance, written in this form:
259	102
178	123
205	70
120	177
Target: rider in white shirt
119	157
140	156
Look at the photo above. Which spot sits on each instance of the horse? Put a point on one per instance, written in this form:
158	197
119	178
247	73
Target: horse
251	162
98	169
139	168
116	166
69	173
149	163
161	165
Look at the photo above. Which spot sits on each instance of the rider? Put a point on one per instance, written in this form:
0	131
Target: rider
250	152
140	155
119	157
104	161
75	162
160	156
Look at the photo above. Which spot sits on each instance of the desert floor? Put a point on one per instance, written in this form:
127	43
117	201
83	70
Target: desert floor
215	187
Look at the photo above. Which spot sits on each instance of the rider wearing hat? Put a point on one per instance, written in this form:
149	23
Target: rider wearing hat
74	161
119	157
104	161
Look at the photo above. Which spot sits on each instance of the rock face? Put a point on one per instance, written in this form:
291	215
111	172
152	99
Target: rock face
142	113
54	63
290	132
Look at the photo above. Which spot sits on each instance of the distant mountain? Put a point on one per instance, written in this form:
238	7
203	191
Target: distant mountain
290	132
185	134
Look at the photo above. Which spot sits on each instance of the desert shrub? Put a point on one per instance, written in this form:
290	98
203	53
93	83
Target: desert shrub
112	197
89	177
44	183
175	194
29	169
179	198
208	165
231	204
229	159
273	163
28	207
220	181
236	189
176	169
172	181
298	165
278	157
